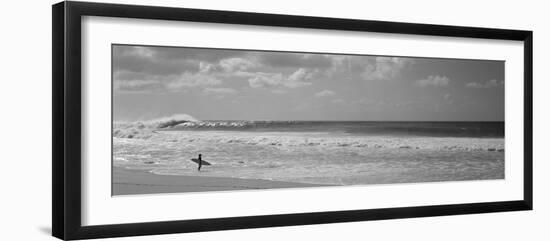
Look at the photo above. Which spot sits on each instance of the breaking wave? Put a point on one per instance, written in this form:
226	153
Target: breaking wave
146	129
277	134
217	124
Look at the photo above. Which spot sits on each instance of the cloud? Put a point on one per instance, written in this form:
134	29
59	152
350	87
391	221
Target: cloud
263	80
146	60
192	80
236	64
484	85
474	85
385	68
338	101
325	93
208	68
297	79
162	83
157	69
137	86
175	61
433	80
171	69
230	66
219	91
294	60
368	68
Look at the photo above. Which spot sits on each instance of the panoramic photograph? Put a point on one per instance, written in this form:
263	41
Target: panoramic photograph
188	119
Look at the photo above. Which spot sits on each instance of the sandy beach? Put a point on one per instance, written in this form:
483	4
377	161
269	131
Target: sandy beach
127	182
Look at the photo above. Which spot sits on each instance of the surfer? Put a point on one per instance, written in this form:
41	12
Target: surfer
200	162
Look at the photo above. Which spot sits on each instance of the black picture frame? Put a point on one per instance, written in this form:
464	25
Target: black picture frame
66	128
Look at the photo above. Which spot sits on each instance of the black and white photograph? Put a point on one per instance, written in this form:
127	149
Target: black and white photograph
190	119
275	120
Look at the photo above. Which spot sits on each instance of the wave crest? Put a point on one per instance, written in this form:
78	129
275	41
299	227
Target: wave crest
146	129
216	124
171	121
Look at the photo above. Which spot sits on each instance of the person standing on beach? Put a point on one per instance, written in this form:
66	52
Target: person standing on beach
200	162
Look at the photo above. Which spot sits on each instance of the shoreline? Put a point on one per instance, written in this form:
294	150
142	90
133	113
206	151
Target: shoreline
129	182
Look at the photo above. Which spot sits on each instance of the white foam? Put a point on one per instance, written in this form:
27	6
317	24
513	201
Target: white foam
324	140
323	158
146	129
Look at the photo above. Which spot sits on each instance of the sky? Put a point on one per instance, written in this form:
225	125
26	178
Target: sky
220	84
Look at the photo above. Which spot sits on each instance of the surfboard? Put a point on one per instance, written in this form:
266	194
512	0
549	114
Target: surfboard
196	160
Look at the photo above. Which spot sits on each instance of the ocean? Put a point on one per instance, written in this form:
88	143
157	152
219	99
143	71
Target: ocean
317	152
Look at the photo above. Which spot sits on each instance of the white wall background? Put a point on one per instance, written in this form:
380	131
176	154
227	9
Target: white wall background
25	106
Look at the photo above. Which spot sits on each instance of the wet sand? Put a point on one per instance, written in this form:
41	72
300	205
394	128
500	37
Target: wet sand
126	182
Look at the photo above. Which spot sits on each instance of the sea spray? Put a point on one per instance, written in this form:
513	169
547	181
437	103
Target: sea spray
146	129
